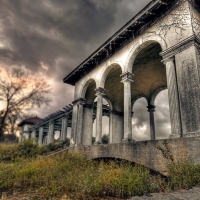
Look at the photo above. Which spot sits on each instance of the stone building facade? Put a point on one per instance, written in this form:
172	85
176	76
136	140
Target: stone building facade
157	49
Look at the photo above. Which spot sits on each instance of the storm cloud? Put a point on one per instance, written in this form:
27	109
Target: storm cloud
53	37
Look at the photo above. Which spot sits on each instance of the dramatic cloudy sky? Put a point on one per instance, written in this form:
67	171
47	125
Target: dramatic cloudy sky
52	37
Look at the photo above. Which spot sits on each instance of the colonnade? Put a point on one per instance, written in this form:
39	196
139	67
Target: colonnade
44	134
44	131
125	119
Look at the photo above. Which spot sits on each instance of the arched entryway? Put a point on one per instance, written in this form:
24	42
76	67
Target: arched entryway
149	79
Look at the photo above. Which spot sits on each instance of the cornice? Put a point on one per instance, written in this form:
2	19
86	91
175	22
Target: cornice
147	17
181	46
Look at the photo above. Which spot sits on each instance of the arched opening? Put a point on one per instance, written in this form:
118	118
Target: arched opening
114	91
149	77
162	117
88	93
140	120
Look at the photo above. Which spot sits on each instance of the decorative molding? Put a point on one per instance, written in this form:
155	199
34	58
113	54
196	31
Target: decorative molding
170	59
100	91
79	101
127	76
181	46
151	108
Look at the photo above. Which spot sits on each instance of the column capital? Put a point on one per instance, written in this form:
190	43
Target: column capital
79	101
169	59
51	122
100	91
151	108
127	76
65	117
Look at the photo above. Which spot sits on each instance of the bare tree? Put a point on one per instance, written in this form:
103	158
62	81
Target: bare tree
19	92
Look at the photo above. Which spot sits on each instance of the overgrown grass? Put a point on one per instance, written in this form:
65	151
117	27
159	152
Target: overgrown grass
79	178
27	149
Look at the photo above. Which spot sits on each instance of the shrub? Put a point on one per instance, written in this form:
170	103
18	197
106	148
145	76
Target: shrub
105	139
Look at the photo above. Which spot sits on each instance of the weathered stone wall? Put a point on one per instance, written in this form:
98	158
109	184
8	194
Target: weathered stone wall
195	16
117	128
174	34
87	126
146	152
189	90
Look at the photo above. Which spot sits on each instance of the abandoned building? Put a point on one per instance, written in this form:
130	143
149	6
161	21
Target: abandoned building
157	49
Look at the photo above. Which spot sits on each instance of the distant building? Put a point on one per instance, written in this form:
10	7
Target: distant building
25	125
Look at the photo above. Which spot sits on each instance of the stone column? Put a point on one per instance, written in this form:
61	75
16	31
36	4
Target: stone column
174	107
151	110
127	79
87	125
33	133
74	123
111	128
81	102
40	137
51	132
63	133
99	94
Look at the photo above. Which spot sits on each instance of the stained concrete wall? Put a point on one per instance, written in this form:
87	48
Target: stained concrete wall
195	17
188	79
87	126
117	128
146	152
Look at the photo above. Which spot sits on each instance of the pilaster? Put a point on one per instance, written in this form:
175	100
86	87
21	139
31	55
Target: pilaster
184	86
77	122
81	102
174	103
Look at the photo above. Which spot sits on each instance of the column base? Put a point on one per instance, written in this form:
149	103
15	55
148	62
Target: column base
97	143
191	134
128	140
173	136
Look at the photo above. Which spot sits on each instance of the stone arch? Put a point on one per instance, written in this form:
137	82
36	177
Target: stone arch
139	46
85	85
155	94
134	99
109	102
106	71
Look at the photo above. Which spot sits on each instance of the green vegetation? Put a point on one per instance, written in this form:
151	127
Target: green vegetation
27	149
105	139
76	177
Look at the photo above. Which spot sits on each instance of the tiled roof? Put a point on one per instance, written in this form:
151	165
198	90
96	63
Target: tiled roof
32	120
